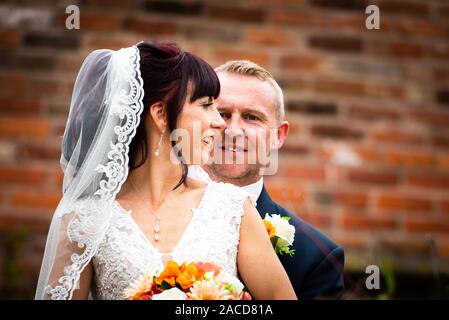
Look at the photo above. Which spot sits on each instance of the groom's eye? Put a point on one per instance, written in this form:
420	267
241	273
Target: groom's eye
251	117
225	115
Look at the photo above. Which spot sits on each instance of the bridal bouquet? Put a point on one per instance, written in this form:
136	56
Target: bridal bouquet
281	232
192	281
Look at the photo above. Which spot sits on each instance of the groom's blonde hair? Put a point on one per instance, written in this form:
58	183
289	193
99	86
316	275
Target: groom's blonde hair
251	69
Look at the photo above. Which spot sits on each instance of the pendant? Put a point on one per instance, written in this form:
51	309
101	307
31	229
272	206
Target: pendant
157	228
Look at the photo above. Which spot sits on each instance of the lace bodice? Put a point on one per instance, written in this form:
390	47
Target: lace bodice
212	236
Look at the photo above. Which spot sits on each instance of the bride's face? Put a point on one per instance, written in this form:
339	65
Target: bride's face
199	124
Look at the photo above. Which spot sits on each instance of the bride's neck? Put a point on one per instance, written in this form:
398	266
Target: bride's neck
154	180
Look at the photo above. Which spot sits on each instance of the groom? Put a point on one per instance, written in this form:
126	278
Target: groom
250	100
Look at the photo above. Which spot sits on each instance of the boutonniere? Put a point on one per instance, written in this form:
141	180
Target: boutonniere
281	232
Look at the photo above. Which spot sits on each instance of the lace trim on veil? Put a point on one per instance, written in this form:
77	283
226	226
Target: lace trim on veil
83	228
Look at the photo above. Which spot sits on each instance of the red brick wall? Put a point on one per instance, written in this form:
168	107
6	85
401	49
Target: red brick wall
367	158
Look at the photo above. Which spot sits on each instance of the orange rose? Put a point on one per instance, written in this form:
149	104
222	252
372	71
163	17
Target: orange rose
188	275
169	274
204	267
270	228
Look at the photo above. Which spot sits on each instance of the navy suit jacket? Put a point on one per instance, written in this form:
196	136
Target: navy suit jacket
316	268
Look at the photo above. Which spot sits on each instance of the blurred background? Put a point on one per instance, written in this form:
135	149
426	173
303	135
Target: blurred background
367	158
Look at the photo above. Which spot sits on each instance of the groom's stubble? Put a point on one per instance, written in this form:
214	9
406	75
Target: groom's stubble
236	174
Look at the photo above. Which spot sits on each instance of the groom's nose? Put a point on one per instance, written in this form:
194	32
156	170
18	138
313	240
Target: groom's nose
233	126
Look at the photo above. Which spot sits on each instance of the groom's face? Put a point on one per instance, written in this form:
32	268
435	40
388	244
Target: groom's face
248	106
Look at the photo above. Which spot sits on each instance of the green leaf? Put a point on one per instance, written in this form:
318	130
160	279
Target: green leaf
291	252
274	241
165	285
228	287
178	285
285	250
286	218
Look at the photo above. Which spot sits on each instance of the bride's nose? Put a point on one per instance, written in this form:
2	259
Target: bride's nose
218	123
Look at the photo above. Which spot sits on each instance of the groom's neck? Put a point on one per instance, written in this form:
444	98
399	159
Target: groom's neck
241	181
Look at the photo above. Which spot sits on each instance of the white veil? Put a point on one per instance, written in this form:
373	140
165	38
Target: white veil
104	114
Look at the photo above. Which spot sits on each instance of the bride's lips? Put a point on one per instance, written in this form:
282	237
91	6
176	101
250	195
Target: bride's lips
208	141
233	148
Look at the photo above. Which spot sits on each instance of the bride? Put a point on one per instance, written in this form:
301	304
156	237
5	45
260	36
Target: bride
128	205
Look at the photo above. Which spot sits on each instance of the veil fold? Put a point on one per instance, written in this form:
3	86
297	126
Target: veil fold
104	114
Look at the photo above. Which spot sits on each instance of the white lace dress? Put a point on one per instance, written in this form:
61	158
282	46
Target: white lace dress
212	236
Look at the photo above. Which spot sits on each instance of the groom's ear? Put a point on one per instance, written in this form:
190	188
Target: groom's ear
159	115
282	132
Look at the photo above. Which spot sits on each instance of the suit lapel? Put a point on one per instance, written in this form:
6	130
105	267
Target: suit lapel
265	204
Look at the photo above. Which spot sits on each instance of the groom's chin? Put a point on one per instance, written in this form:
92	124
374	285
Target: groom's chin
231	171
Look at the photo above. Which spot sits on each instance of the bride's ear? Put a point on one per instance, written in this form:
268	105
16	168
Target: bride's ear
159	115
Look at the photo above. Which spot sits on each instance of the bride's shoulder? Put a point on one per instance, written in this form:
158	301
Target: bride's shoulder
223	190
229	190
84	205
231	199
82	208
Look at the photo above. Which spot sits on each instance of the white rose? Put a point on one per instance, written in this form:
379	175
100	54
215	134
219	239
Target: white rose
283	229
226	278
170	294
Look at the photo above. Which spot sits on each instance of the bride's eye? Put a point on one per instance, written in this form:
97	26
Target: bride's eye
206	105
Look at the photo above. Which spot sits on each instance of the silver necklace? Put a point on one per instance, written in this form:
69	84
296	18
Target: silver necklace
157	226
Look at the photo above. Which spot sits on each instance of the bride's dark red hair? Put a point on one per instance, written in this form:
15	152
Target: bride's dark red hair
166	71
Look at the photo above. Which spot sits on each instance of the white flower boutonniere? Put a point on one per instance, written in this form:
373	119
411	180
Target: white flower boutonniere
281	232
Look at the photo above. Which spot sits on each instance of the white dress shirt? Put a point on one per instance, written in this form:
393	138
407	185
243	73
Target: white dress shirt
253	189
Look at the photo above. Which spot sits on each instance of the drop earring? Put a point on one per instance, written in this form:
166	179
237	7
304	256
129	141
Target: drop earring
156	153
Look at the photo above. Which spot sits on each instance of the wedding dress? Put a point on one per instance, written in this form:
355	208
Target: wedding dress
125	254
